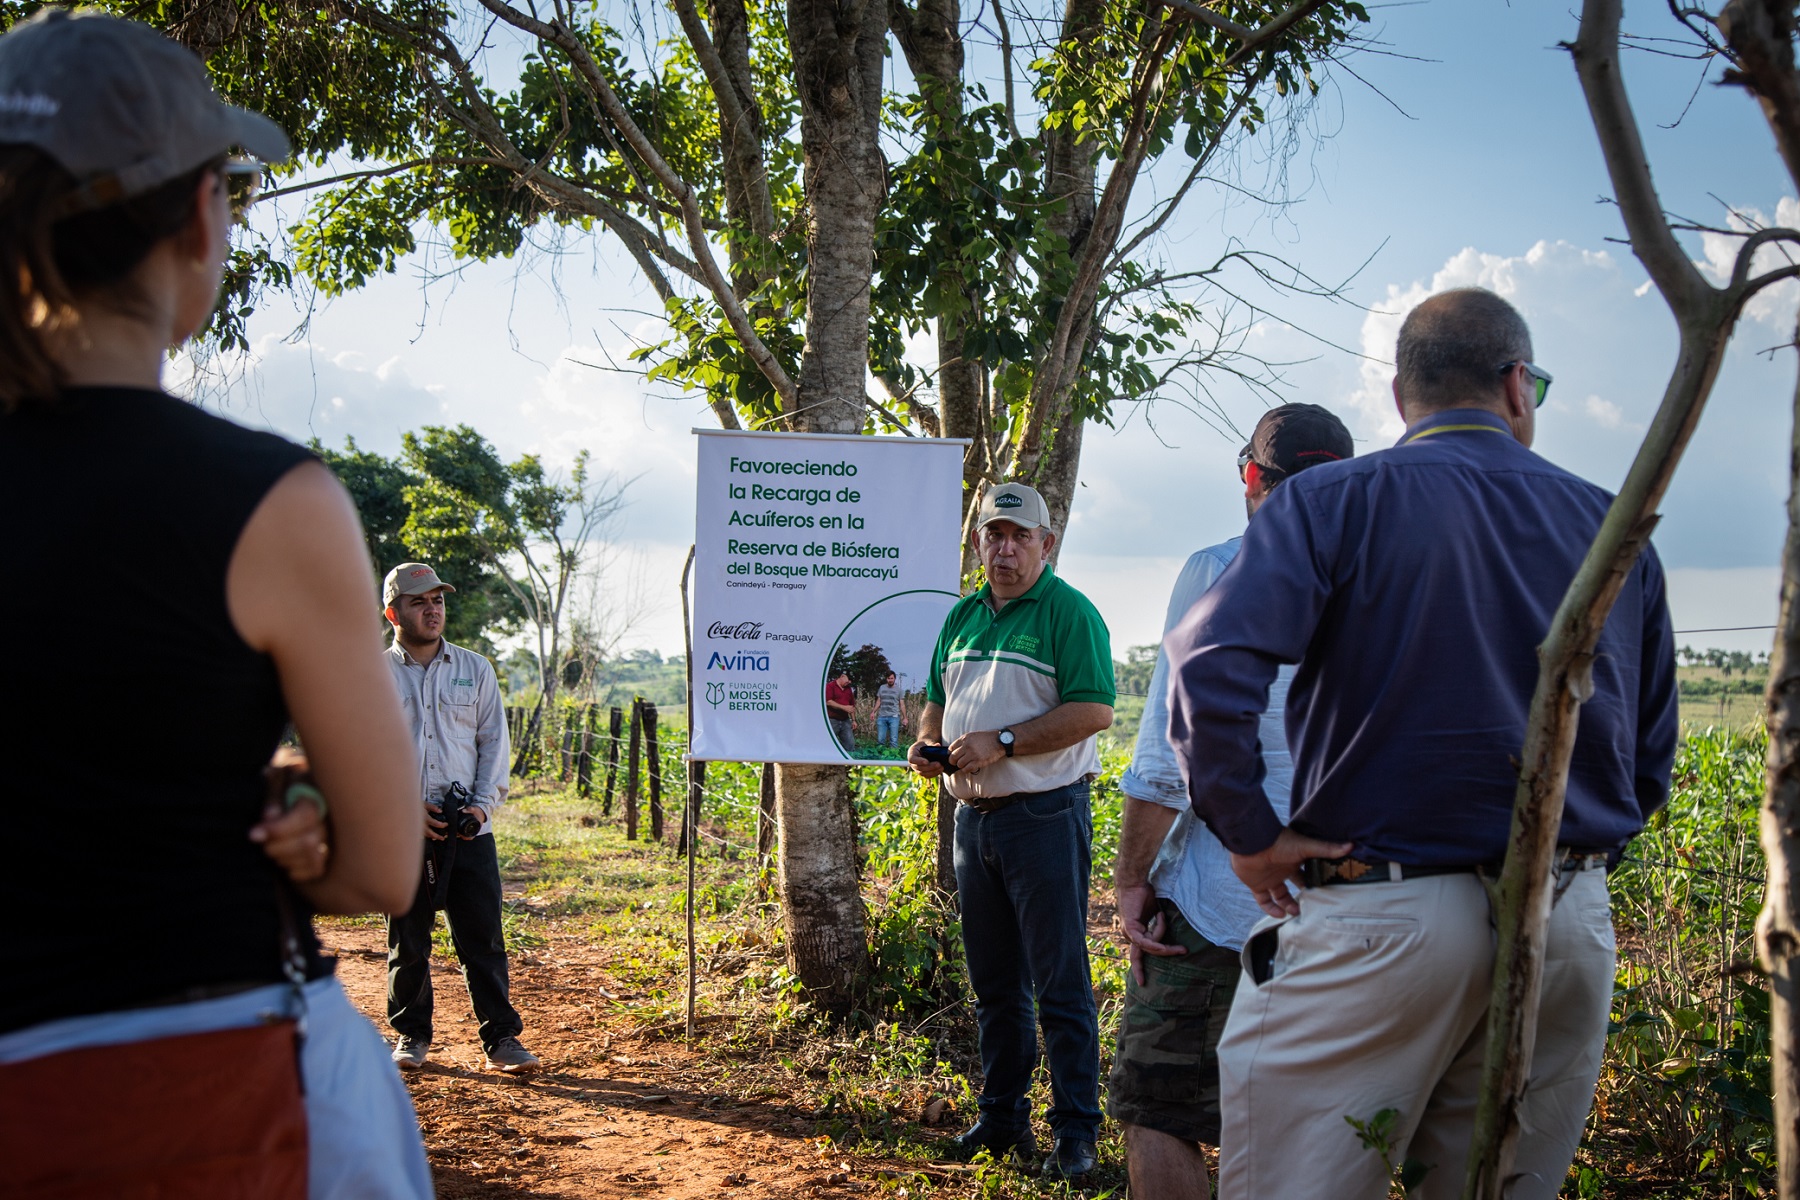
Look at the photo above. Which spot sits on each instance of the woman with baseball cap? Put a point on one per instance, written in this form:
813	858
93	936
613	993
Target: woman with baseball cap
177	587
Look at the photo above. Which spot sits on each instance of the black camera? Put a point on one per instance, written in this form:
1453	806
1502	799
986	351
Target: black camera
939	755
454	811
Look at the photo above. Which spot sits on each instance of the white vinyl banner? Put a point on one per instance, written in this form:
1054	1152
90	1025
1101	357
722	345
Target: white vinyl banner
824	566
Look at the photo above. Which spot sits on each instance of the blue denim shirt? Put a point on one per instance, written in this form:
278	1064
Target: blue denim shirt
1192	869
1412	587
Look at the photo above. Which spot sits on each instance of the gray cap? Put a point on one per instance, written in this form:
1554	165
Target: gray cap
1013	502
121	107
410	579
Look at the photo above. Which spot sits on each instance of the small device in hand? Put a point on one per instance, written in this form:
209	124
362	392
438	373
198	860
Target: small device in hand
454	809
939	755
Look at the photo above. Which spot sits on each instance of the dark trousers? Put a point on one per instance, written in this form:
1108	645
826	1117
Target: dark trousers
472	910
1022	882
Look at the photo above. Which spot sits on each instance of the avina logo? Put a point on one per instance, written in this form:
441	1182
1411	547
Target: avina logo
737	662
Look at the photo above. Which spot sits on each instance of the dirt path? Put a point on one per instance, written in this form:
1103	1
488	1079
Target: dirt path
614	1113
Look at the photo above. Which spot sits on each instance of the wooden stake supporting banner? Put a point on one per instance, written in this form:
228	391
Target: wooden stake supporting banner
631	769
654	761
696	773
616	722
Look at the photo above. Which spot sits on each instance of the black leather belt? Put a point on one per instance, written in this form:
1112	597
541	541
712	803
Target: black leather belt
989	804
1325	872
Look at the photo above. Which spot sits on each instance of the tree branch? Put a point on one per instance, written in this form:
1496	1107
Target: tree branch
559	35
1596	55
1760	34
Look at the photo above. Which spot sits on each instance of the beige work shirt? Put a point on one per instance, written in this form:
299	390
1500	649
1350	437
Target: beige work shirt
458	723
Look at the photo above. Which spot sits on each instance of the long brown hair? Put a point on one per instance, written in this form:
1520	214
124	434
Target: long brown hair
55	258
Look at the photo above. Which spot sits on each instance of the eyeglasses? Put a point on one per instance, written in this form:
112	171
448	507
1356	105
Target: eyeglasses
1246	456
243	178
1540	378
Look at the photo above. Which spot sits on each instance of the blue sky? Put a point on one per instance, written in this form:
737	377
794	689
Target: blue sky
1466	158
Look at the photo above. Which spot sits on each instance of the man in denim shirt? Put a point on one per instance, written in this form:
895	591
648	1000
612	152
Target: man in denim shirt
1184	911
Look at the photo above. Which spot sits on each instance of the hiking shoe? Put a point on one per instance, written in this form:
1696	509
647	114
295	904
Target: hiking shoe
1017	1144
508	1056
1070	1159
410	1052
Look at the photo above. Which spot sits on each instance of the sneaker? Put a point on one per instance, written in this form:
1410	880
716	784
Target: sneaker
1071	1159
410	1052
1018	1144
507	1055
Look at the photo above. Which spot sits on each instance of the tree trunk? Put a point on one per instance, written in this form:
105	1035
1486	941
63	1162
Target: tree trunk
1778	927
1070	179
839	51
765	814
820	896
931	37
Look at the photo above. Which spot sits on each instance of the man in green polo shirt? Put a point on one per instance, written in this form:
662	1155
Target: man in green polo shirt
1021	682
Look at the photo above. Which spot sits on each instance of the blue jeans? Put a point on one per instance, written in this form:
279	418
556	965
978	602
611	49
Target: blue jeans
887	731
1022	882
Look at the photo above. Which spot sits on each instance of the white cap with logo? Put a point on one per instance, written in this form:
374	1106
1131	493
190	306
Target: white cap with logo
1013	502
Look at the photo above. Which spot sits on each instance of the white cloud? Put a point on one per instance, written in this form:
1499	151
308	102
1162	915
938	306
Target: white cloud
1520	279
1604	412
1773	306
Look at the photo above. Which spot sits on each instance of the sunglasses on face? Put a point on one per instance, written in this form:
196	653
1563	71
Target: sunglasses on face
1246	456
1540	378
243	178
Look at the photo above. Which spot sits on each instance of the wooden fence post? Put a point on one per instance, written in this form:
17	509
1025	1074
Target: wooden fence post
615	722
584	761
568	750
655	763
631	769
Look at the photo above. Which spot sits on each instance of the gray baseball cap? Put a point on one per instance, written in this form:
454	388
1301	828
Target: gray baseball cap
1013	502
121	107
410	579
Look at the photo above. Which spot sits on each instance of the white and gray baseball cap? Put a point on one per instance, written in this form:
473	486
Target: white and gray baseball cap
121	107
1013	502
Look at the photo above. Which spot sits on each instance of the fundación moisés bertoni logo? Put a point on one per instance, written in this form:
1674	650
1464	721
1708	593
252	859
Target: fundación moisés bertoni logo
715	694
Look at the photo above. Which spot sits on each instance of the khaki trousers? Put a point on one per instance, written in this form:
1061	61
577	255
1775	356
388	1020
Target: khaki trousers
1375	998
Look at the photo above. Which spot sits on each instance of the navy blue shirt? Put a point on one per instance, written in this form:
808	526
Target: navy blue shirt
1413	586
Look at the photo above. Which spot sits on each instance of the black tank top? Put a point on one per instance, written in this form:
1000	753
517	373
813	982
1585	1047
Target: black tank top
137	721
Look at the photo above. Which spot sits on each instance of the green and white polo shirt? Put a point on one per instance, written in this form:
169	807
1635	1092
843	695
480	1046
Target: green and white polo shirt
992	670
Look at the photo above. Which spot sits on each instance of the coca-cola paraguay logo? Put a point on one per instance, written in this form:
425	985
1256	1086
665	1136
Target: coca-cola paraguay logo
743	631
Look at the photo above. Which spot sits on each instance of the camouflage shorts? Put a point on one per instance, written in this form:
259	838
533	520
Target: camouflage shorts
1165	1073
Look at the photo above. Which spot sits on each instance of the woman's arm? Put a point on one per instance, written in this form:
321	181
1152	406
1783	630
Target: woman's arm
300	589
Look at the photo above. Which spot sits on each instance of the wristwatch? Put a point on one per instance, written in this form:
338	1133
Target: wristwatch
1006	741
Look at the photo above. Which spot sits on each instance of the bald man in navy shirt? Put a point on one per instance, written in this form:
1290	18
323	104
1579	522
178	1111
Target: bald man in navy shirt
1412	587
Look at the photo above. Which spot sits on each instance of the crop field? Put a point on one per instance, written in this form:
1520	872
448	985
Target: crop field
769	1099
